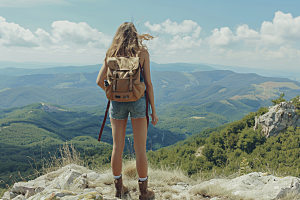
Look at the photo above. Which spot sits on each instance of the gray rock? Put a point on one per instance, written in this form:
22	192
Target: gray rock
278	119
256	185
6	195
13	195
92	176
39	189
180	186
64	193
68	178
23	188
79	183
19	197
69	182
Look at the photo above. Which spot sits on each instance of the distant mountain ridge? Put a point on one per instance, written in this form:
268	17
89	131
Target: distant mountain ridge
12	71
18	71
35	65
190	89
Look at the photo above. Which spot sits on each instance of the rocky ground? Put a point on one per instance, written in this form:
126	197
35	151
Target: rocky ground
74	182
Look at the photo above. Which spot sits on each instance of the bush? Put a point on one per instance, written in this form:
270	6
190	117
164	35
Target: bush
279	100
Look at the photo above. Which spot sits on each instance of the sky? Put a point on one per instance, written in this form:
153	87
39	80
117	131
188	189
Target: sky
256	34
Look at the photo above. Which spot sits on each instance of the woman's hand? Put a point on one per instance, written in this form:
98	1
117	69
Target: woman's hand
154	118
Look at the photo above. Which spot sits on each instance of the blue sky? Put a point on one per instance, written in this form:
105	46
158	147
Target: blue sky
258	34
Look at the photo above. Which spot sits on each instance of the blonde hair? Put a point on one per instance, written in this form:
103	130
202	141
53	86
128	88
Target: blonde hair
127	41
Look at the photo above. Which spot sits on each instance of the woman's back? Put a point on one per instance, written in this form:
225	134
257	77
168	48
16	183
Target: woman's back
127	42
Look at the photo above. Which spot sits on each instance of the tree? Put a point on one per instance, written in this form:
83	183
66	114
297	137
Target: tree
279	100
296	102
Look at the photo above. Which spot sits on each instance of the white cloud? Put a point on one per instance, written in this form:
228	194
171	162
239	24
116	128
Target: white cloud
79	33
154	27
184	28
222	37
64	32
284	26
285	52
12	34
61	49
250	36
186	42
283	30
45	36
185	37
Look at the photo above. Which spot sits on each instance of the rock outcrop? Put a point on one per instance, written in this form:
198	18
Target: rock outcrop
74	182
278	119
255	185
69	182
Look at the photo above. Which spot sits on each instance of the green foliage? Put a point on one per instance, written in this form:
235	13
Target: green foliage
280	99
235	147
296	103
38	130
244	167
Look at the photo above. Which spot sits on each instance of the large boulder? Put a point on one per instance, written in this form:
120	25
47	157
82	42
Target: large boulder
255	185
69	182
278	119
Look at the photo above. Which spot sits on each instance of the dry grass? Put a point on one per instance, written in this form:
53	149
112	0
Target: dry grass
2	191
208	190
294	195
163	180
129	169
68	155
214	190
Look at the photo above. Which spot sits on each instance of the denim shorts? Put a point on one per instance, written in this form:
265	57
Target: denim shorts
136	109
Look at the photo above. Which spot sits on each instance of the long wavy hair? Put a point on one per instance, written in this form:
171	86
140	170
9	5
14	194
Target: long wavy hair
127	41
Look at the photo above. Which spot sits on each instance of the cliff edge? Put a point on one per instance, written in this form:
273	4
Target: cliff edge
74	182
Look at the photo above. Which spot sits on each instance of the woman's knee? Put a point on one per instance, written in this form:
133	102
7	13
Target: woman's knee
118	149
139	148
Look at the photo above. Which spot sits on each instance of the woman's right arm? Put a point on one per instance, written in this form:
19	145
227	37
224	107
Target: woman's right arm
102	76
145	58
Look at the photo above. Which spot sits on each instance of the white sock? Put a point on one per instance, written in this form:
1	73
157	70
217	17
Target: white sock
143	179
117	177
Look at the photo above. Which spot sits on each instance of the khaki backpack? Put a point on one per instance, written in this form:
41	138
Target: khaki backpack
123	79
123	83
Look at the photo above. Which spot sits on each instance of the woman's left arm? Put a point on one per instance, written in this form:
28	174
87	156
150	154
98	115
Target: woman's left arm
102	76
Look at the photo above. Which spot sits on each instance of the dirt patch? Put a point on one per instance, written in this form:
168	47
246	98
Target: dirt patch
3	127
196	117
50	108
199	151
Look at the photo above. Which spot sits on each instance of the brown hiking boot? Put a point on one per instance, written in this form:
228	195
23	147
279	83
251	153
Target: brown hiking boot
145	192
120	188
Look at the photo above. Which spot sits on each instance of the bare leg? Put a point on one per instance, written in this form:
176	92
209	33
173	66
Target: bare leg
118	132
139	127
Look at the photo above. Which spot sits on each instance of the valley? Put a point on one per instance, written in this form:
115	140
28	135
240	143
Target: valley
39	113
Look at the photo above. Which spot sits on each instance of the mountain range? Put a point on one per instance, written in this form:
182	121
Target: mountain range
44	108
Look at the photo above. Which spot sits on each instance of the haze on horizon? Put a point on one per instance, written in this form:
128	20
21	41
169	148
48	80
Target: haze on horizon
252	34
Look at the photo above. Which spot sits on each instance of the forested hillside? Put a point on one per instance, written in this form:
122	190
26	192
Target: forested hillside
232	148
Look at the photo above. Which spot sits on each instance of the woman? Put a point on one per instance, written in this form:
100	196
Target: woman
127	42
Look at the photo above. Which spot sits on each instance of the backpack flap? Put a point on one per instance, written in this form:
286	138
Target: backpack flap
131	63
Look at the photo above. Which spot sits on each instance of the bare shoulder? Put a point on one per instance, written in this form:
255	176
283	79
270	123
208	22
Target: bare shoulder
144	53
